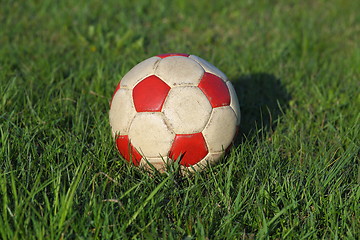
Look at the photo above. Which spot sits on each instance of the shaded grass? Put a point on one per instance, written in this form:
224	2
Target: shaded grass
293	174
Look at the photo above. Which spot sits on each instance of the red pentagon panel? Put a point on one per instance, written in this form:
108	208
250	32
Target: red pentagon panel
127	150
172	54
190	147
215	90
116	89
149	94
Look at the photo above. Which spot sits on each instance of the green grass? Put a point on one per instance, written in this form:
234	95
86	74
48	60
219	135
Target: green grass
294	172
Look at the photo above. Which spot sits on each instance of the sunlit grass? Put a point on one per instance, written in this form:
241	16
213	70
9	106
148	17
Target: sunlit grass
293	172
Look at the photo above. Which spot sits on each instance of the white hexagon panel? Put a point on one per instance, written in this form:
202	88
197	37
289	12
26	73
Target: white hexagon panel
121	112
234	102
179	71
174	107
150	134
221	129
187	110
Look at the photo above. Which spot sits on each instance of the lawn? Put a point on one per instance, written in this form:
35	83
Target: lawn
294	170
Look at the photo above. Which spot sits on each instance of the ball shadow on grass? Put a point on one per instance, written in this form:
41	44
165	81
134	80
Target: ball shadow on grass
263	99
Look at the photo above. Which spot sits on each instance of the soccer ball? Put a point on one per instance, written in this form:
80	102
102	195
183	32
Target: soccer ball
174	107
